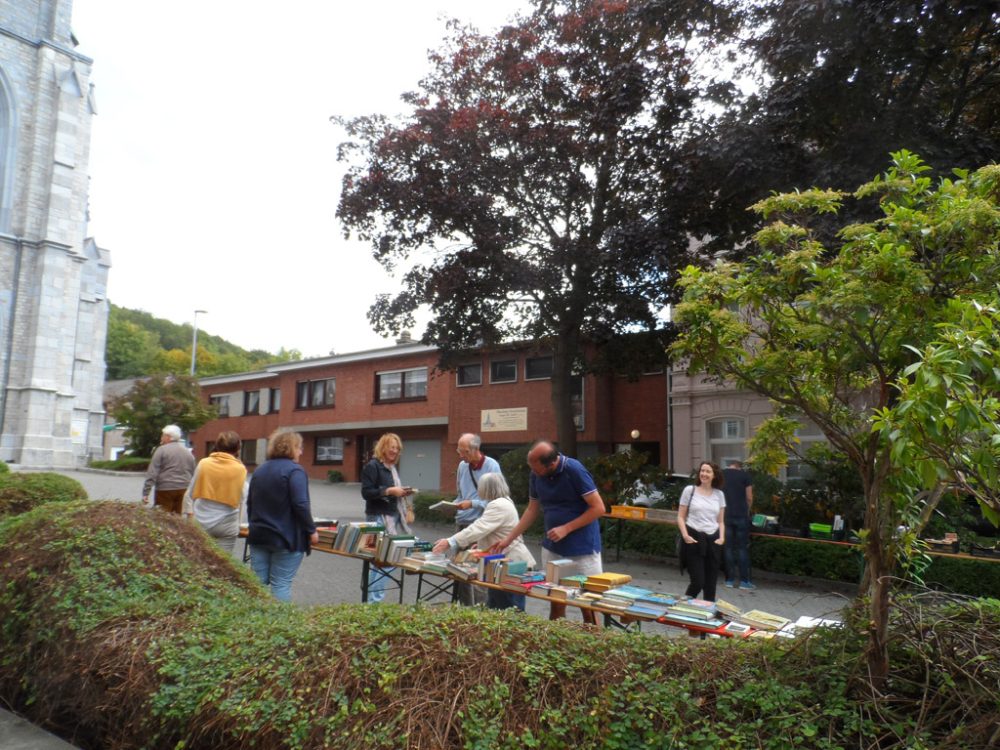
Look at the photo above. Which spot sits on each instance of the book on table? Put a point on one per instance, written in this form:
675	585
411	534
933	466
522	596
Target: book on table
462	571
556	570
446	506
577	581
761	620
605	581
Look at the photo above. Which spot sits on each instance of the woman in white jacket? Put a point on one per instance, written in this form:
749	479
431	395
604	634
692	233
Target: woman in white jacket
497	521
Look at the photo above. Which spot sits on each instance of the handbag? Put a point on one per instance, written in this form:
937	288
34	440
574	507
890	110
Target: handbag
408	512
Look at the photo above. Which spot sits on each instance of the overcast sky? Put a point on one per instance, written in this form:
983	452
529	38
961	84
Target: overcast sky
213	167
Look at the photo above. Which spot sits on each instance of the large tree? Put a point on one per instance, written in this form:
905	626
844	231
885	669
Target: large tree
826	332
519	180
837	85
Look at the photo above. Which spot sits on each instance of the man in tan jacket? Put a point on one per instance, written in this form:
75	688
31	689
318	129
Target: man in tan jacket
170	472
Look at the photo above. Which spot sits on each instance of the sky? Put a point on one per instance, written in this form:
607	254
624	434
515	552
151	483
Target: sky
214	179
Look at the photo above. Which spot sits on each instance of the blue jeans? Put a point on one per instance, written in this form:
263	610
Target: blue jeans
376	577
275	568
738	549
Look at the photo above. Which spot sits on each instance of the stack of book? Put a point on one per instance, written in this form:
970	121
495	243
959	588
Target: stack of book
760	620
395	548
327	535
358	538
557	591
490	567
694	612
602	582
727	610
653	605
576	581
556	570
462	570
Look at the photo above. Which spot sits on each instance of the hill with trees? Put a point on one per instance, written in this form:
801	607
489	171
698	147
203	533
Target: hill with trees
141	344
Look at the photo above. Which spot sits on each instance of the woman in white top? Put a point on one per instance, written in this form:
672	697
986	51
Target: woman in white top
701	520
498	520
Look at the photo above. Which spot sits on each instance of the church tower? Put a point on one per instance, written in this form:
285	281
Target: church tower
53	279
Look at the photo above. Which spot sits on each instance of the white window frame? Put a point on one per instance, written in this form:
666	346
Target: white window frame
512	360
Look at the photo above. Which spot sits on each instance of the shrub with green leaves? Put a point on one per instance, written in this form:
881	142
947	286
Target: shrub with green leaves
4	468
22	491
156	639
125	463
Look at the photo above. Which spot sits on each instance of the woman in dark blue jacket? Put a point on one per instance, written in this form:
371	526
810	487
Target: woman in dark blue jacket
281	523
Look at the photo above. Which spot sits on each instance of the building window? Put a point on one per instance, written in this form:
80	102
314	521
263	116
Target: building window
329	450
538	368
726	440
251	402
809	434
275	403
470	374
314	394
401	384
576	403
248	452
221	403
503	371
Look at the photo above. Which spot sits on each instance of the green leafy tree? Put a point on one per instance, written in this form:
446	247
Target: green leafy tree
826	332
520	177
946	422
835	87
130	349
155	402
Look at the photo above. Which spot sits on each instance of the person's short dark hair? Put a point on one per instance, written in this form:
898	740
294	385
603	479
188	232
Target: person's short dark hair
734	463
718	478
228	442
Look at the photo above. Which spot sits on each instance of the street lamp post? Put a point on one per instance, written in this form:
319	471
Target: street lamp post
194	340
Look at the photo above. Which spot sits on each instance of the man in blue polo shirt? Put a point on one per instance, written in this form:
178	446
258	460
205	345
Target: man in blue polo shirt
564	492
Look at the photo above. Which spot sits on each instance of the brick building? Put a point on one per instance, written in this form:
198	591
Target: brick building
341	404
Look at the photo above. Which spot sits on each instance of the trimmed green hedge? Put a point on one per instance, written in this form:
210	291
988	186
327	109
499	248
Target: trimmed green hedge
156	639
125	463
22	491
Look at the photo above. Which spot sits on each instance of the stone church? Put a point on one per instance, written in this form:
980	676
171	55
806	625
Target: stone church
53	278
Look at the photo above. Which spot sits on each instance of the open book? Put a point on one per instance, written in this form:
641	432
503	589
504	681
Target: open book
449	506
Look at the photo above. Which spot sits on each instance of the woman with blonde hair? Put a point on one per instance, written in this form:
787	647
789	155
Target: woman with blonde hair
385	500
281	523
498	520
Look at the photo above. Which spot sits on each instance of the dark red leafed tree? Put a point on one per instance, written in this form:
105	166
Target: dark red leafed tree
518	183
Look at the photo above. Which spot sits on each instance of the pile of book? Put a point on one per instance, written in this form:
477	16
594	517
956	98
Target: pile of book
698	612
425	561
358	538
760	620
394	548
602	582
653	604
327	533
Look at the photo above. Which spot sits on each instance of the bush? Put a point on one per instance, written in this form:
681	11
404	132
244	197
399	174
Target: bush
514	466
4	468
334	476
156	639
20	492
124	463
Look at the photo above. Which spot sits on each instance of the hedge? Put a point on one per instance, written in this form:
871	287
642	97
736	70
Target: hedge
156	639
21	491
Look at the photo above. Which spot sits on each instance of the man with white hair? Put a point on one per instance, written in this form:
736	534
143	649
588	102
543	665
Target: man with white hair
170	471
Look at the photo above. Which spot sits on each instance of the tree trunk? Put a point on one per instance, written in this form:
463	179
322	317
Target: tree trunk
875	584
562	374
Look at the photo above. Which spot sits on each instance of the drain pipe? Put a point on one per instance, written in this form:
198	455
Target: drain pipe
18	242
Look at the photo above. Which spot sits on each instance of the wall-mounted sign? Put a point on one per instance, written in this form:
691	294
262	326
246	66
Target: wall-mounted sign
504	420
